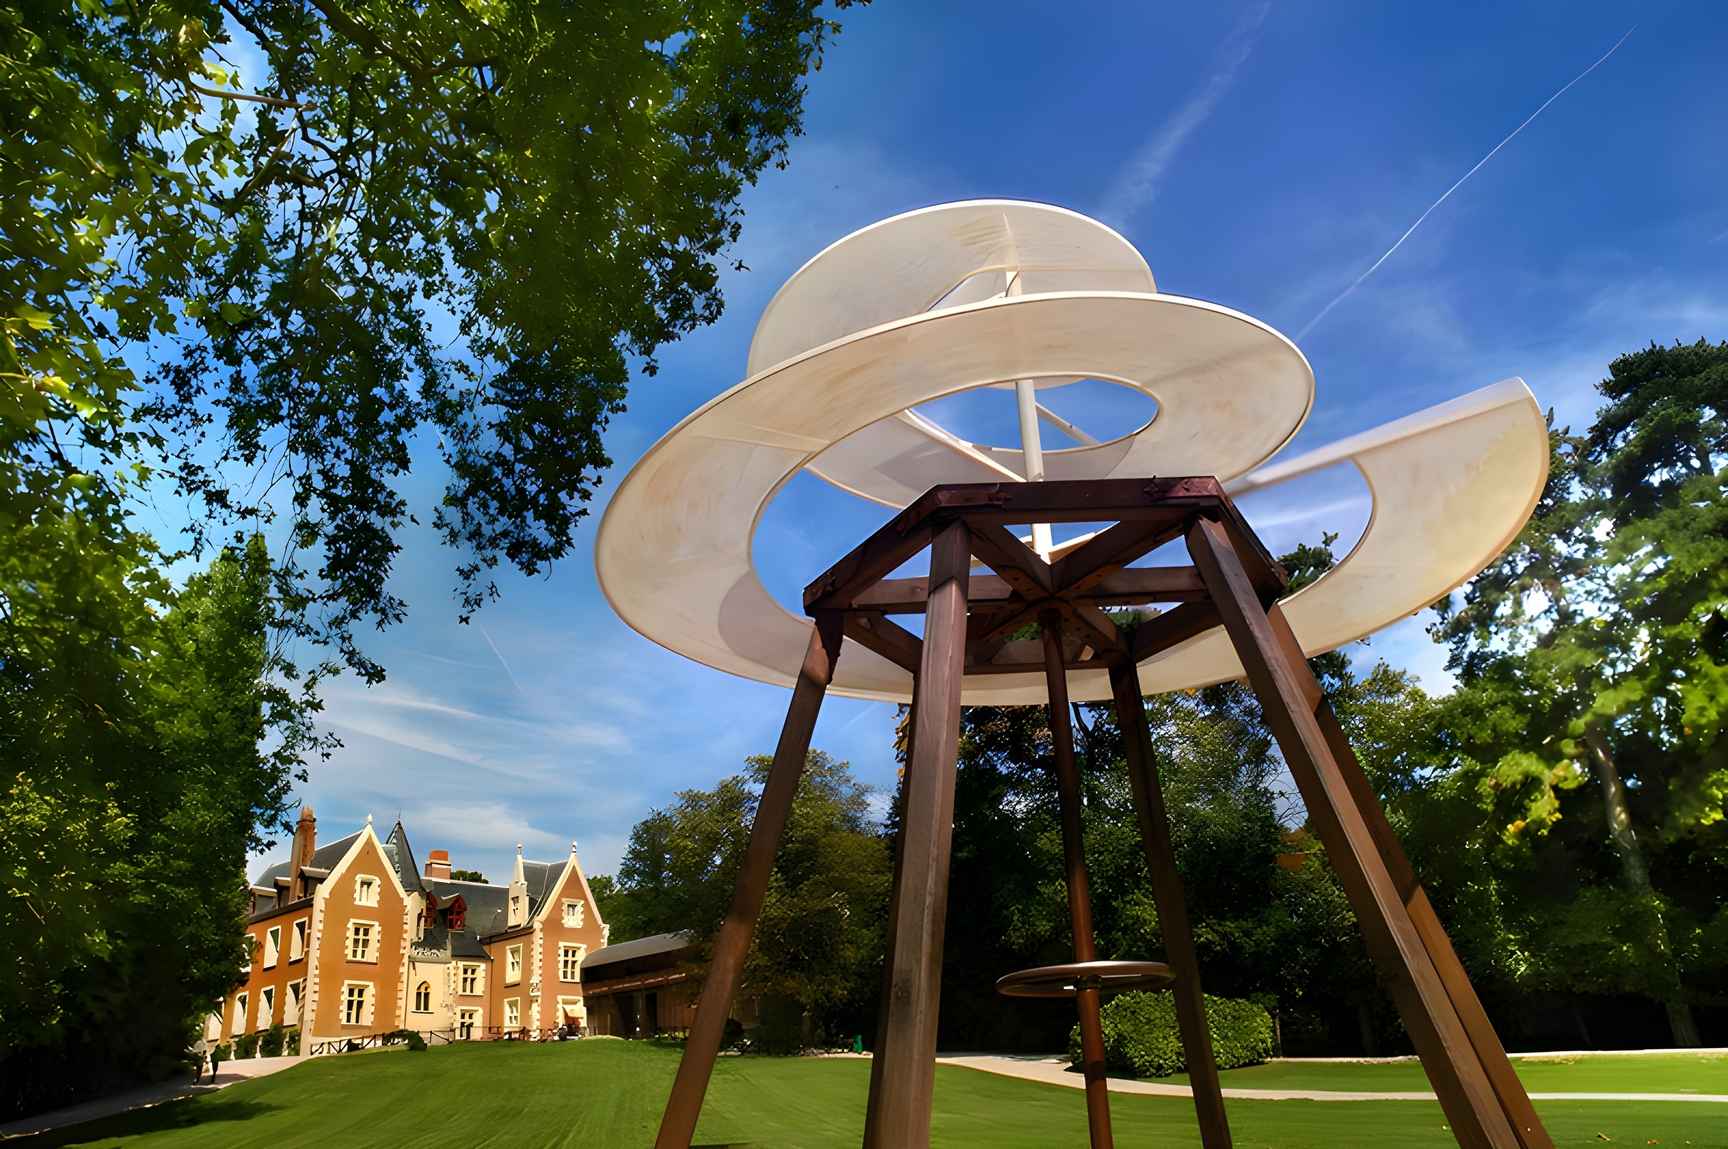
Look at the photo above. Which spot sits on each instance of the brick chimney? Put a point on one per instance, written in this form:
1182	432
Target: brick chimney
305	842
438	864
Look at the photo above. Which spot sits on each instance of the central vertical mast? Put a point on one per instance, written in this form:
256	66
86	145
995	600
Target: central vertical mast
1031	447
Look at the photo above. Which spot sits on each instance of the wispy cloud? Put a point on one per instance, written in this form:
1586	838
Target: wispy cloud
1447	194
1138	184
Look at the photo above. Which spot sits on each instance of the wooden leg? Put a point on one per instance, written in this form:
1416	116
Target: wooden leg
1284	685
1514	1101
1079	885
903	1079
732	946
1172	907
871	1136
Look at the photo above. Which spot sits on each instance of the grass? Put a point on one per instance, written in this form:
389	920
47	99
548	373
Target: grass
1646	1073
607	1095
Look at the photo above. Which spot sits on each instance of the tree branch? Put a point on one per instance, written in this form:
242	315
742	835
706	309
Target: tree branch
273	101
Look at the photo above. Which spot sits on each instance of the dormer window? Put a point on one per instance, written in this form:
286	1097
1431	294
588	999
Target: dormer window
574	913
515	909
366	890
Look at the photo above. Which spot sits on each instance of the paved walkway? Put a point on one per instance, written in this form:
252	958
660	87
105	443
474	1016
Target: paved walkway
1054	1071
145	1096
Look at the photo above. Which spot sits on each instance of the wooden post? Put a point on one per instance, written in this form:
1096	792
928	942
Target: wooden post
1079	885
1284	685
901	1086
732	946
876	1058
1514	1101
1154	821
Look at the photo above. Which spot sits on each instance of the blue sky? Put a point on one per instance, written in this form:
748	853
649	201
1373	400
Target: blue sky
1259	155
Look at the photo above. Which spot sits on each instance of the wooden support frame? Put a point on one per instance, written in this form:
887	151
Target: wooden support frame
1154	821
1233	583
732	945
1086	998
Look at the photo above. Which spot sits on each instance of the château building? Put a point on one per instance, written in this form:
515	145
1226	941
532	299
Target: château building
351	939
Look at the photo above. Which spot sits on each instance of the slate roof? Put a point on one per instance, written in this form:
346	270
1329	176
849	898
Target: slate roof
401	856
323	858
488	906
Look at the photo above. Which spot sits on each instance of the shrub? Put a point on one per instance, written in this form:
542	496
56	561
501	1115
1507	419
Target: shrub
416	1043
246	1045
291	1043
270	1045
1140	1035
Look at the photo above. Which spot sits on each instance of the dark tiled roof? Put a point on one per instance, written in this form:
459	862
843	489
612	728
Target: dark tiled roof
542	879
641	947
466	945
326	857
488	906
401	856
323	858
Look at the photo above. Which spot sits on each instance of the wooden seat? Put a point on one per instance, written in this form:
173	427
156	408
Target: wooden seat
1068	980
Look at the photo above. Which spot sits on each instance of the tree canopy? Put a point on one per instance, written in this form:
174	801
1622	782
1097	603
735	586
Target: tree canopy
145	759
819	941
264	259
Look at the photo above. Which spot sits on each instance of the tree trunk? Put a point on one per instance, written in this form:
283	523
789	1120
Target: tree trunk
1636	872
1365	1030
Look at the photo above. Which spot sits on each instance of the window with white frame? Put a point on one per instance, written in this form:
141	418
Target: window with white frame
366	890
423	997
362	941
467	1019
513	964
266	1007
469	980
512	1013
239	1025
291	1014
570	956
297	942
356	1002
574	911
272	946
251	945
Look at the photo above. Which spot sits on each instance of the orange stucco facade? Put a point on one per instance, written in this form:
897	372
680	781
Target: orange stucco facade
382	947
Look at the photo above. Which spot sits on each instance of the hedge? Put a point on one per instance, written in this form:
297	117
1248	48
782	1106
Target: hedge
1140	1036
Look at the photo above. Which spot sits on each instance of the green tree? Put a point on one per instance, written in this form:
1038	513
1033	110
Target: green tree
819	941
147	756
271	255
1596	649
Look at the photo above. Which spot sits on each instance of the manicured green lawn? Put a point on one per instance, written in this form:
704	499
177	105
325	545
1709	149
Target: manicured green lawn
607	1095
1655	1073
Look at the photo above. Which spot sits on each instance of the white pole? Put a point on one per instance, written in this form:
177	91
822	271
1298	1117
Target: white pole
1027	395
1031	446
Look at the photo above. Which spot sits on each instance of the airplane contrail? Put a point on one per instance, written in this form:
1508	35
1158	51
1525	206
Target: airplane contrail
1444	196
500	657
